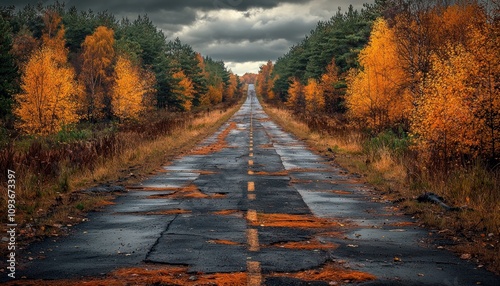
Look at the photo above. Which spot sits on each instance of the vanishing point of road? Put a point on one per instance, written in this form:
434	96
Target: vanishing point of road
253	199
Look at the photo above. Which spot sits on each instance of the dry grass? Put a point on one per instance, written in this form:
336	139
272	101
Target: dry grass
127	157
398	175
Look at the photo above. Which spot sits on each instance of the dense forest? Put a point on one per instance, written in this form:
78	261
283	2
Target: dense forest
405	93
426	69
63	66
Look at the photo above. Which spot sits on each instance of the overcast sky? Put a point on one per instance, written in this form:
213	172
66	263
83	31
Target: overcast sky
242	33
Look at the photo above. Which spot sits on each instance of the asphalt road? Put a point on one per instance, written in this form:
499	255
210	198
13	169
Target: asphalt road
252	198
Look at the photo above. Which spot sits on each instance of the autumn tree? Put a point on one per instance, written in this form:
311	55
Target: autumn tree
232	88
97	56
184	90
315	102
482	39
375	95
264	81
47	101
129	93
296	100
444	122
53	35
331	94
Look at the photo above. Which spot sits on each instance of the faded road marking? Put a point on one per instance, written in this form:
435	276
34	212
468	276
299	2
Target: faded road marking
251	186
254	273
253	239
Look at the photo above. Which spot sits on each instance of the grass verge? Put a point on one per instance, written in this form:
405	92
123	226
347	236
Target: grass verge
50	207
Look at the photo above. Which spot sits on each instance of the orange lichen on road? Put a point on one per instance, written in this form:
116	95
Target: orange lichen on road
292	220
308	244
218	145
162	275
278	173
169	212
223	241
226	212
330	273
189	192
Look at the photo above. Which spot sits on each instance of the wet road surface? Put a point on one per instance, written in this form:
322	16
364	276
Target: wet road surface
253	199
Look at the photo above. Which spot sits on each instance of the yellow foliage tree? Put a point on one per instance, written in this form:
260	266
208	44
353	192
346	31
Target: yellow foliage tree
444	123
374	94
315	102
98	53
47	102
130	90
184	89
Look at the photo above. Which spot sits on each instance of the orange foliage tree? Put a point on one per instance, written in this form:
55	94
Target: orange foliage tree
315	102
444	123
184	89
328	81
98	53
214	94
296	100
375	96
264	83
53	35
47	102
129	94
232	88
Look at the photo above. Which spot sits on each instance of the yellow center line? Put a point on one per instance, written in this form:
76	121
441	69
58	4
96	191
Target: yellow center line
252	215
253	239
250	162
250	149
254	277
250	172
252	197
251	186
251	154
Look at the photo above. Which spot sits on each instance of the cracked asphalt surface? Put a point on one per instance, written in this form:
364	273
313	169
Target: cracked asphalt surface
207	212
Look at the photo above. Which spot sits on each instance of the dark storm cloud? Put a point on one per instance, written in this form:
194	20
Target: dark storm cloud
243	32
234	31
247	52
155	5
